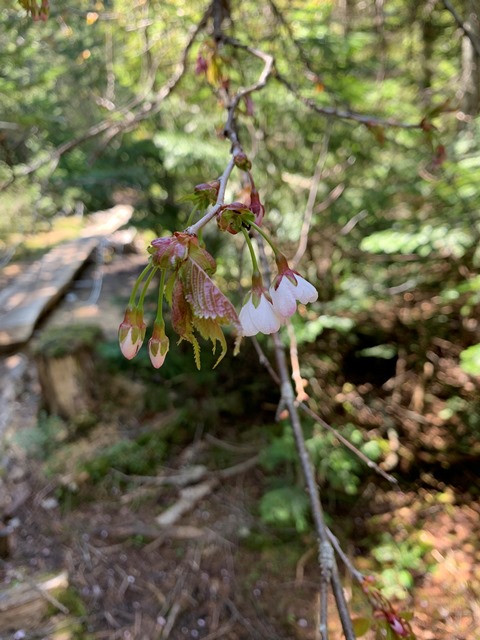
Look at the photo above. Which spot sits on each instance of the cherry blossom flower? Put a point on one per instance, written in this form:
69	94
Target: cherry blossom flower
288	288
131	332
158	345
258	315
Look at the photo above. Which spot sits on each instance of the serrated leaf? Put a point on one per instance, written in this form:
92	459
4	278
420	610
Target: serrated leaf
182	320
199	305
205	298
210	330
201	257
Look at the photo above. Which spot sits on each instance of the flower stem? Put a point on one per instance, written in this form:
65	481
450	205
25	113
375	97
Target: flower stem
256	270
159	317
191	216
131	302
145	287
265	236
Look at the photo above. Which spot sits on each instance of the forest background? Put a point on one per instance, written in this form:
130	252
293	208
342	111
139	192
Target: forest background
364	145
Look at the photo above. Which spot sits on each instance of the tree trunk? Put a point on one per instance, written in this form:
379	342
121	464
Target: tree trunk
471	60
67	371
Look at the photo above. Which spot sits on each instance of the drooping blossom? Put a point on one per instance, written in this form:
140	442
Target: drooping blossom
158	345
258	316
131	332
288	288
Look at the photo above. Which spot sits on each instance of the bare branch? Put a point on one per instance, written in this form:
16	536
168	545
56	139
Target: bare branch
372	465
344	114
328	566
312	196
463	25
125	117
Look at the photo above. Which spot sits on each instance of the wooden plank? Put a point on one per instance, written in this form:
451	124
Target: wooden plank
41	286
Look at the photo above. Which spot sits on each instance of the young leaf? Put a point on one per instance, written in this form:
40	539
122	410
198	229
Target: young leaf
182	320
361	626
205	298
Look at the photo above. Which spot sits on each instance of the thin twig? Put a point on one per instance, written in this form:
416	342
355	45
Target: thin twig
464	26
329	571
300	383
124	118
372	465
306	409
345	114
312	196
195	228
264	361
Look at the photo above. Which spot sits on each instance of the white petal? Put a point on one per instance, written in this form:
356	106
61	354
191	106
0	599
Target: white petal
265	318
305	292
284	301
245	317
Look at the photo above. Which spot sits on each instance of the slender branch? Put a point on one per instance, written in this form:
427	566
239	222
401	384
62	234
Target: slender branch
312	196
372	465
306	409
230	131
463	25
328	566
195	228
345	114
126	117
300	383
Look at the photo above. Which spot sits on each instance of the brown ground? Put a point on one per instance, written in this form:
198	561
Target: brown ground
218	572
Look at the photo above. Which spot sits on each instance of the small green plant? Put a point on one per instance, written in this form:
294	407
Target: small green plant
286	506
398	560
140	456
43	439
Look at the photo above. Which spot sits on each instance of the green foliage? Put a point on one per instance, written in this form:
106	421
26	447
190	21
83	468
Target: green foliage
44	438
141	456
286	507
336	467
398	561
470	360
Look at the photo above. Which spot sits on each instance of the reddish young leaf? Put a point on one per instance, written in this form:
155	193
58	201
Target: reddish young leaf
205	298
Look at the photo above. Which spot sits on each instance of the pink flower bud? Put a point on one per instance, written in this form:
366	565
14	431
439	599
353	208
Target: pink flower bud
158	345
131	332
256	207
201	65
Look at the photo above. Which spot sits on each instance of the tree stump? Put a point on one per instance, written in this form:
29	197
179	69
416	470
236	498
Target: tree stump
67	371
24	605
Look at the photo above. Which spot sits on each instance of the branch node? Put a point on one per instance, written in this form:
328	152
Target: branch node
326	559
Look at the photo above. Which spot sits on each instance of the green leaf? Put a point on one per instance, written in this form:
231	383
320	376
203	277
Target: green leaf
470	360
361	626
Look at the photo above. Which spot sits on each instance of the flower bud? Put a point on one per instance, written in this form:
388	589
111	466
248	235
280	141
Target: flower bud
256	207
131	332
201	65
158	345
242	162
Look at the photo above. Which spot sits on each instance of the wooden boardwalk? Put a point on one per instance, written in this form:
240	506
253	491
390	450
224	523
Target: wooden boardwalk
44	283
